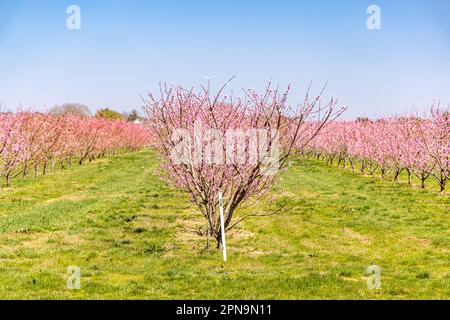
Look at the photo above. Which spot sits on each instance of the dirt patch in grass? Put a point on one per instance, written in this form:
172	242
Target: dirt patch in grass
353	235
240	234
146	222
423	242
41	240
70	197
191	230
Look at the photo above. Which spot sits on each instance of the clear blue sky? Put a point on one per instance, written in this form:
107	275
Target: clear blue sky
125	47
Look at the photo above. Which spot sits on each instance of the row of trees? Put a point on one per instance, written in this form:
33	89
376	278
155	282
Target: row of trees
418	145
35	142
83	111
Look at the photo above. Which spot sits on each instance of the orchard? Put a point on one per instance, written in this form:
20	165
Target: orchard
419	146
251	173
33	143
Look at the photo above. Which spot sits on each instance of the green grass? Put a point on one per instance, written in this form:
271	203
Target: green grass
135	238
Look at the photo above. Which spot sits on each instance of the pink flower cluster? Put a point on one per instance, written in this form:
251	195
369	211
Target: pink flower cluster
419	146
32	141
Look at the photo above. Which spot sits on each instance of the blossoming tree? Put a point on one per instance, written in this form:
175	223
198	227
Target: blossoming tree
236	146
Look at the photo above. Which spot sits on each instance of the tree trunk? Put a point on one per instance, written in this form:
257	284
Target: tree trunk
409	176
363	166
8	180
24	172
397	174
441	179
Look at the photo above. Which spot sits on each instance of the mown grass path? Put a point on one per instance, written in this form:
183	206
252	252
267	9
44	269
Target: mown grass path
133	237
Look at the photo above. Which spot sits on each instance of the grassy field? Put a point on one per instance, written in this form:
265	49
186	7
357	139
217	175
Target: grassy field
135	238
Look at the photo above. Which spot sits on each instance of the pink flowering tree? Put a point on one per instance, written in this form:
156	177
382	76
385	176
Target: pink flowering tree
235	146
435	139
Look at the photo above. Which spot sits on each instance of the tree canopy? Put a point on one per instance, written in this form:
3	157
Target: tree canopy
107	113
71	108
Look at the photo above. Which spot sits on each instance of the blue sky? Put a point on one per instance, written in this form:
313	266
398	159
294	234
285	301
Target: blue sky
125	47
